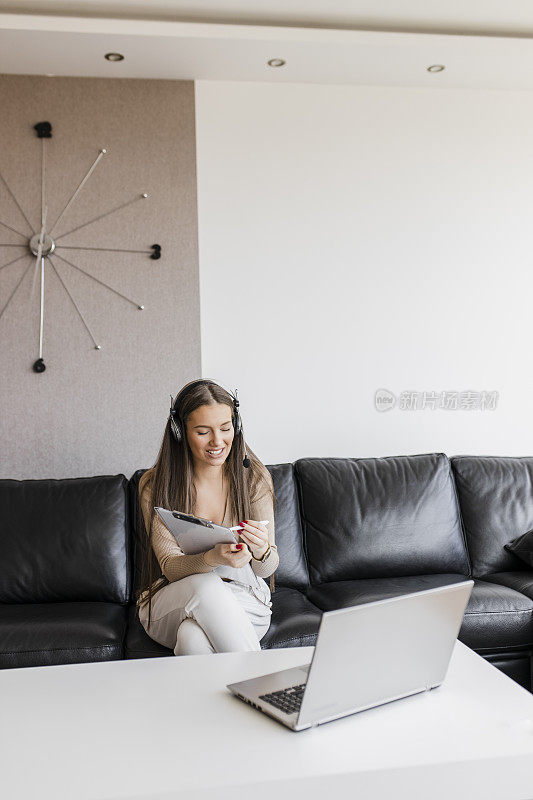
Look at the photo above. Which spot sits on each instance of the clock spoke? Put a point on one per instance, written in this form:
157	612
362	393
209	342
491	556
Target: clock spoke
24	236
44	132
13	260
97	346
18	206
101	153
43	174
39	263
16	287
138	305
36	272
106	249
41	326
106	214
9	244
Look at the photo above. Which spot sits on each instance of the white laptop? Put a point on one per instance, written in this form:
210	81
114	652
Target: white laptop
365	656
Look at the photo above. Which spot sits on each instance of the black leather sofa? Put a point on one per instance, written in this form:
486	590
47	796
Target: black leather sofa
348	531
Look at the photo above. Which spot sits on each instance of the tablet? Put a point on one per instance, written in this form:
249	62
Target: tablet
194	534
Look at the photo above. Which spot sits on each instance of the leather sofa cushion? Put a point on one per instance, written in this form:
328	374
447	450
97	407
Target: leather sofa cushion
64	540
342	594
519	581
496	499
42	634
133	495
523	548
295	620
496	618
138	644
380	517
292	570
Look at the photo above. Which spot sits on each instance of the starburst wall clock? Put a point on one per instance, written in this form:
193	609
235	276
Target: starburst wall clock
44	250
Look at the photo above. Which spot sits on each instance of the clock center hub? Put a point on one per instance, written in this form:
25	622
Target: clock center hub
48	245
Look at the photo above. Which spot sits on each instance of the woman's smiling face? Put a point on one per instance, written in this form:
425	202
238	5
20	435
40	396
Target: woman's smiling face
209	428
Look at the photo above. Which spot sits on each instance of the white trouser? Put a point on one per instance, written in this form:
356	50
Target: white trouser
204	614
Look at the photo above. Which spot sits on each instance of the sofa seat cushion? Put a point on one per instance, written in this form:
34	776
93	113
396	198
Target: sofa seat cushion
294	622
519	581
497	618
138	644
342	594
42	634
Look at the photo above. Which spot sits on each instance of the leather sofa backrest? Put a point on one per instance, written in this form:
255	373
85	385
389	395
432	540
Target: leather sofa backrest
292	570
64	540
380	517
138	531
496	501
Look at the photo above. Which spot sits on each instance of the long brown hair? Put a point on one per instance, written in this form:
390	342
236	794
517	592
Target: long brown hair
172	485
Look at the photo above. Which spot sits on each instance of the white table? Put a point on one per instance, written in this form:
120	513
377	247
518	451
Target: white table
168	728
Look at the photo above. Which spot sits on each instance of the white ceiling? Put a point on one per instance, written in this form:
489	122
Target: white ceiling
322	41
442	16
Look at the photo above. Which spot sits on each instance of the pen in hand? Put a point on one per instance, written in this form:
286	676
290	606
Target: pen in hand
240	527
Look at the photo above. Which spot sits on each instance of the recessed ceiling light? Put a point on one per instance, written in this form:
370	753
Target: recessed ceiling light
436	68
276	62
114	56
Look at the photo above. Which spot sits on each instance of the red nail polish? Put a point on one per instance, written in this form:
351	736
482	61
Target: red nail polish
239	547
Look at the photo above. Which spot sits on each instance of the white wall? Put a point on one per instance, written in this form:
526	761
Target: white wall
354	238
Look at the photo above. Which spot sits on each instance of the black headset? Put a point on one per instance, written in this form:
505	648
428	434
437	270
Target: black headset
176	420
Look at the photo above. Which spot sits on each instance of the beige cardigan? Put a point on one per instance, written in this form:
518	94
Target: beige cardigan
175	564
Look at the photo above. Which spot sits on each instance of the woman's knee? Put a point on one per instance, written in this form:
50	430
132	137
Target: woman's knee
192	640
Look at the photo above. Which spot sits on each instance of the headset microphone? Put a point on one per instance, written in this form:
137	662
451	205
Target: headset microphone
246	461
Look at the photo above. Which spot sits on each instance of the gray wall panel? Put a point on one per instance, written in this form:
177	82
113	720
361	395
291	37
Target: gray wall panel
98	412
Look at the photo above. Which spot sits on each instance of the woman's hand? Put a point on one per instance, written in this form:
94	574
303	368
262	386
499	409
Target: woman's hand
228	555
255	535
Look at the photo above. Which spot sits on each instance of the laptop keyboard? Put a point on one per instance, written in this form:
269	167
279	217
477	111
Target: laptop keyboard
287	700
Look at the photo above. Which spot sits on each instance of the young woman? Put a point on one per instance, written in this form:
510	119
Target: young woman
208	602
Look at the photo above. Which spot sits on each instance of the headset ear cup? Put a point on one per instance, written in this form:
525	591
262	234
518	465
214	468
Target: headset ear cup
237	426
175	404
